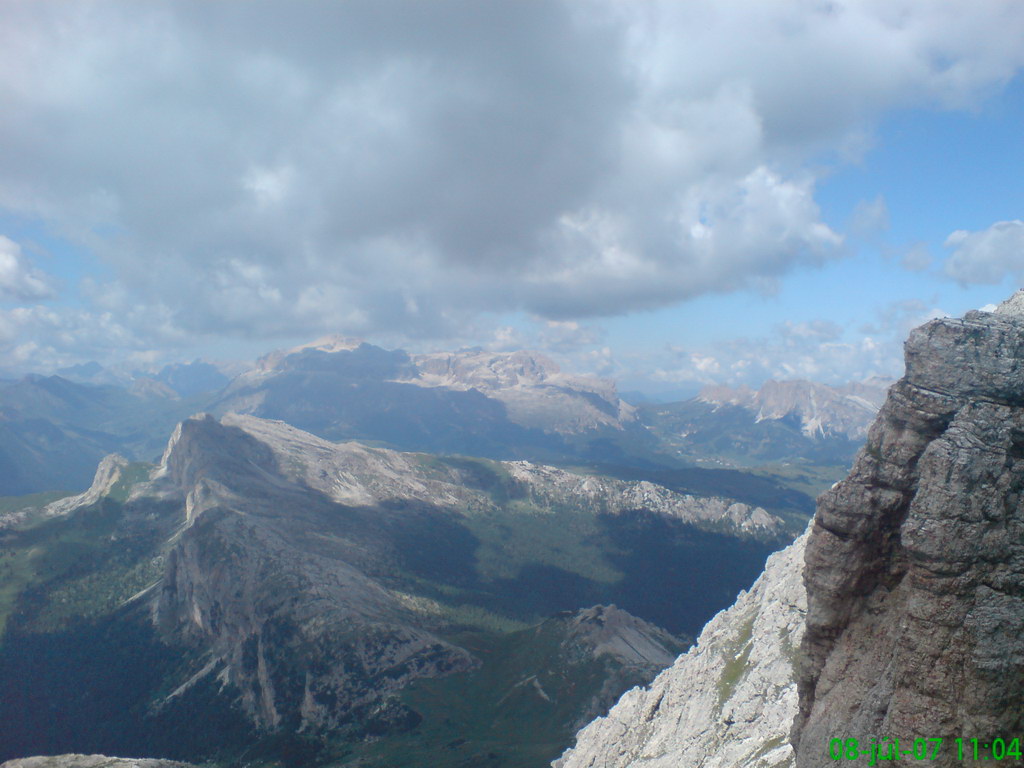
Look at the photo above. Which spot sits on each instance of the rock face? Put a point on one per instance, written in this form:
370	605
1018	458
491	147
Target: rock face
264	568
915	564
727	703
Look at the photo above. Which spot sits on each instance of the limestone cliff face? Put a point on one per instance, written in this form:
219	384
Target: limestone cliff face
915	564
728	702
268	578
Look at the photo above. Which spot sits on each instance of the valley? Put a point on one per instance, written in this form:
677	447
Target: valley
330	601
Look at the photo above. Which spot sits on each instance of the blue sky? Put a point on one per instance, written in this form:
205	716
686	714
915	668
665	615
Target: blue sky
670	194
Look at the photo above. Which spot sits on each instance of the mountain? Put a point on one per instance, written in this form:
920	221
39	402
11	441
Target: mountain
913	576
915	564
801	432
188	379
514	405
173	380
534	390
819	409
534	689
728	702
53	431
315	598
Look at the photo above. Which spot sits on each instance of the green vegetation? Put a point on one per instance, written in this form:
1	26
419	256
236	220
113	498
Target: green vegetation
810	479
455	616
734	661
520	534
133	473
32	501
59	569
518	710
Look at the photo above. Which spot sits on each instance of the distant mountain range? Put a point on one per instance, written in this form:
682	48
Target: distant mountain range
516	405
263	590
783	421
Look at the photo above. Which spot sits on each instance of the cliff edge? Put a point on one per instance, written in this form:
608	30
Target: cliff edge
915	562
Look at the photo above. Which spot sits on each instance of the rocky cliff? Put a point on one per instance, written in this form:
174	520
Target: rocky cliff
915	564
728	702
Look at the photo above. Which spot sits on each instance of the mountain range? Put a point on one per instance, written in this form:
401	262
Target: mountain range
895	623
519	405
321	599
340	603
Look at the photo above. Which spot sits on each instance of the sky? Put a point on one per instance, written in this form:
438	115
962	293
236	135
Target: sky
668	193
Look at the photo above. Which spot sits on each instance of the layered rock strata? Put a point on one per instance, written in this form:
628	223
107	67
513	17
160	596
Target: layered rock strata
915	565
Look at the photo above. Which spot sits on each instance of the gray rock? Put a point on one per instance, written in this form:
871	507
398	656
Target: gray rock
915	564
536	392
728	702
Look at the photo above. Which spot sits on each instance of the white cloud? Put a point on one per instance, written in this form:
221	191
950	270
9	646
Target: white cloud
275	168
19	280
817	350
988	256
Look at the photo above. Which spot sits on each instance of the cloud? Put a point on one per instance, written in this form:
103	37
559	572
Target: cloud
870	218
19	280
43	338
817	350
988	256
269	168
917	258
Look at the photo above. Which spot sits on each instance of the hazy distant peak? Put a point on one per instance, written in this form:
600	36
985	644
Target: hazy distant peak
532	386
486	370
846	409
330	343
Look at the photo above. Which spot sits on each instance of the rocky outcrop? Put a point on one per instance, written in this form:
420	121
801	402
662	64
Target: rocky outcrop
270	580
356	474
915	565
727	703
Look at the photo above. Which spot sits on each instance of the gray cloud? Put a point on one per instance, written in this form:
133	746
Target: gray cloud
19	280
265	169
987	256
